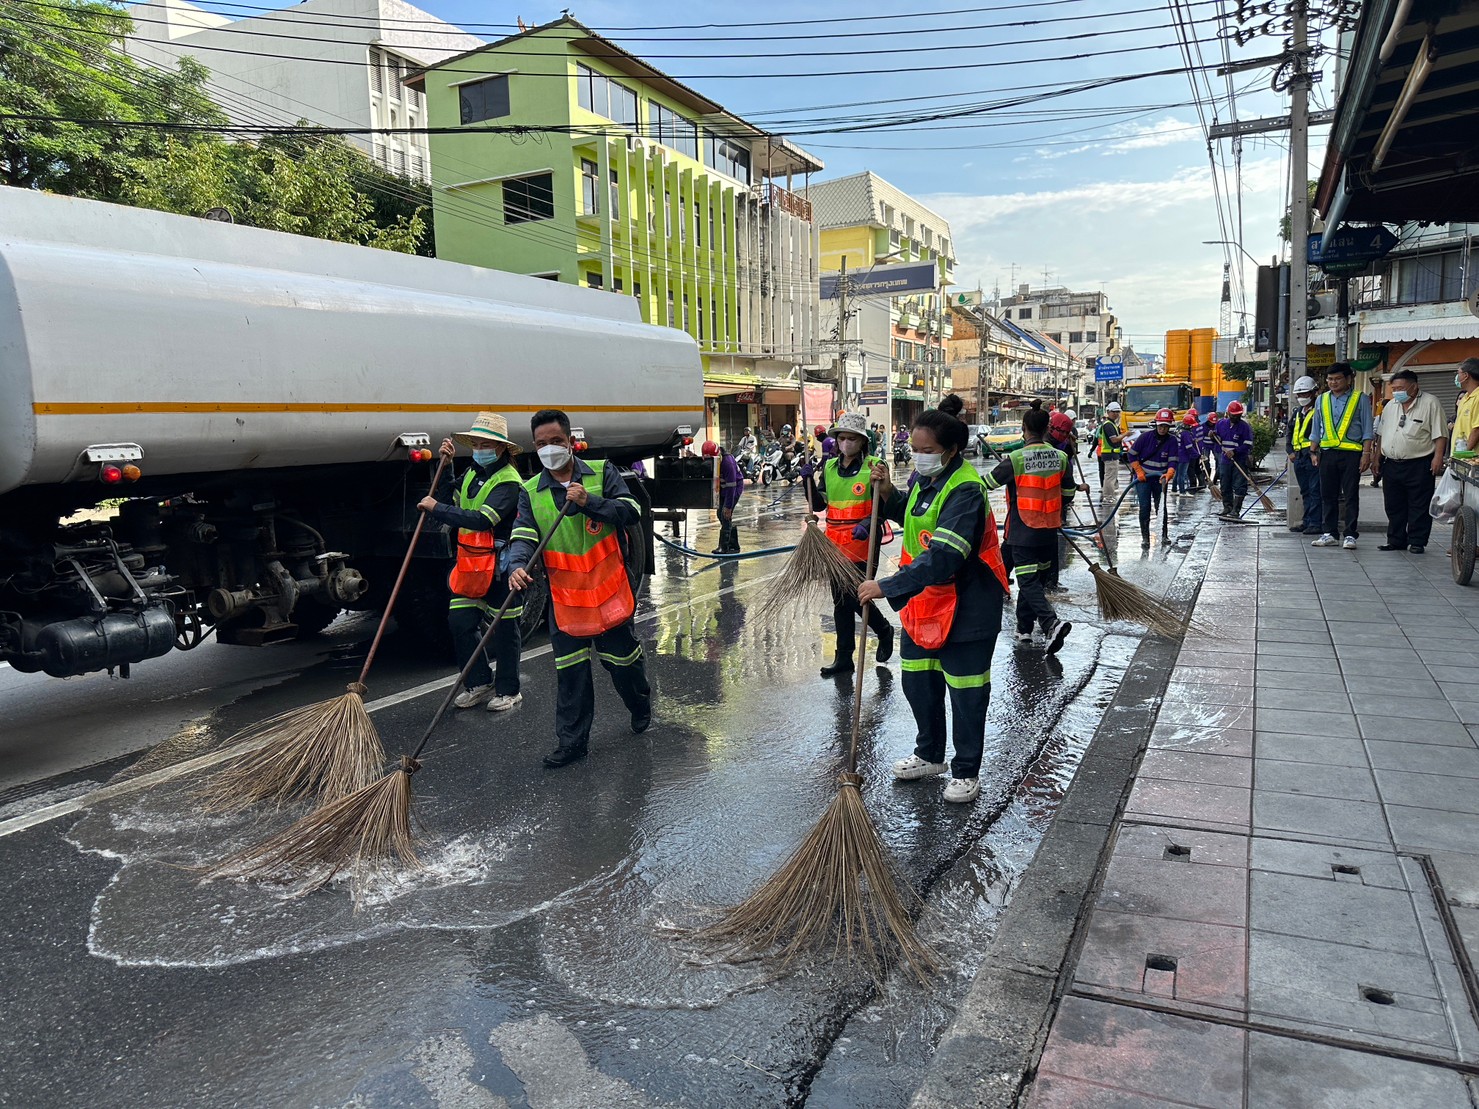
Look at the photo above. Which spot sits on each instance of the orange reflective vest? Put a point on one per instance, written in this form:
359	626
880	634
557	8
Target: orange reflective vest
849	501
477	558
588	584
930	613
1037	472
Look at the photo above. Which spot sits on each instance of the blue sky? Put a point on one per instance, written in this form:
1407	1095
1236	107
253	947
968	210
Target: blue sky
1109	188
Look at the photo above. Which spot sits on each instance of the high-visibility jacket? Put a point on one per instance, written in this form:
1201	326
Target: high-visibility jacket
588	584
477	556
1037	474
930	613
1331	437
1106	448
1301	438
849	501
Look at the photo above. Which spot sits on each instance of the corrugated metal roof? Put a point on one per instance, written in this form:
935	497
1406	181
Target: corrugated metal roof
1407	331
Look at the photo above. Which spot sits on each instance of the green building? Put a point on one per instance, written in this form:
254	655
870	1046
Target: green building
566	157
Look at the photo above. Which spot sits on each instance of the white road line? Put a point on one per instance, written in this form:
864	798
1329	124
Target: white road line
203	762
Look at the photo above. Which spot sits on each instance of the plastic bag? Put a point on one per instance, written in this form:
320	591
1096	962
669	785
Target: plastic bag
1447	498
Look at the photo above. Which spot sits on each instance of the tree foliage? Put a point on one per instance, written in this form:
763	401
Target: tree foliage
63	61
1263	438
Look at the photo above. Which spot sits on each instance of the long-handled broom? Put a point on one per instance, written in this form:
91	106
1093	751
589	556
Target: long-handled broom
1120	599
839	881
816	561
1263	501
328	750
372	824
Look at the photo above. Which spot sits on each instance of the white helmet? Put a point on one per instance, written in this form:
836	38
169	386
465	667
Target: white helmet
1113	406
1305	384
1071	414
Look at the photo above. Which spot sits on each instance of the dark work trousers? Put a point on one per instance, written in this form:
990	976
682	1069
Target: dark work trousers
845	609
1234	485
1149	494
467	618
575	693
1308	476
1406	488
1340	479
1031	565
963	672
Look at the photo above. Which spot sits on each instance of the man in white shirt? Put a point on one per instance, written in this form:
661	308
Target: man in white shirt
1411	443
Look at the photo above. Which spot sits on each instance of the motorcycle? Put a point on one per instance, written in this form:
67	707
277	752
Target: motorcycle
749	463
770	467
902	454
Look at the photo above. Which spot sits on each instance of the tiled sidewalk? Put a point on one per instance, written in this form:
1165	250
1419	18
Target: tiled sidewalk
1268	931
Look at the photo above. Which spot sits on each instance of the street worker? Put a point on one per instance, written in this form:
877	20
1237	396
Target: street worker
845	491
1154	457
1038	481
1190	441
1466	423
731	485
481	506
1233	440
1411	448
1340	446
1109	444
1298	446
948	592
590	593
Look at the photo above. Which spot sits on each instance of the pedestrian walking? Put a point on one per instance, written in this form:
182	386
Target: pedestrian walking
948	592
731	485
1466	423
591	598
1306	473
481	505
1154	456
845	491
1233	441
1411	447
1109	446
1038	481
1340	441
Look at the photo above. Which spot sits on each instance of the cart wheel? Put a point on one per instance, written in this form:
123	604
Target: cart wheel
1461	550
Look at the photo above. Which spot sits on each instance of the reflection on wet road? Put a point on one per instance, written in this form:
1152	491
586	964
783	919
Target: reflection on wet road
539	957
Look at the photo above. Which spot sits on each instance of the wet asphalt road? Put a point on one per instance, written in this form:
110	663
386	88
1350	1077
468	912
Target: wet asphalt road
538	958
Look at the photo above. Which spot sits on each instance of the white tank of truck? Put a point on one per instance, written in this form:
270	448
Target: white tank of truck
213	347
263	408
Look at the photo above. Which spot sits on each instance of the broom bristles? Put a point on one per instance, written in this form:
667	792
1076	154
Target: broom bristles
1124	600
816	561
371	825
838	882
329	750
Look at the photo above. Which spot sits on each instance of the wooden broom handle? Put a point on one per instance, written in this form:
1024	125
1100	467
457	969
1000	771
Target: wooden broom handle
395	590
862	647
1084	477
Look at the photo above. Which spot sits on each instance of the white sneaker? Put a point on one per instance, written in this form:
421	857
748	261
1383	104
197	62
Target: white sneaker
503	704
1024	637
915	767
1349	543
1058	635
471	698
1326	540
961	790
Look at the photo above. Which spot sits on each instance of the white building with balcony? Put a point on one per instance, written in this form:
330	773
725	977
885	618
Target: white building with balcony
337	63
1080	323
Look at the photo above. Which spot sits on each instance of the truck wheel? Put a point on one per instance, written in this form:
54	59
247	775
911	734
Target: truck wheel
312	616
421	609
1461	550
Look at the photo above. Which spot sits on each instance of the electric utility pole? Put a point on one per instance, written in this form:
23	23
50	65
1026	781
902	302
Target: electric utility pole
983	387
1300	82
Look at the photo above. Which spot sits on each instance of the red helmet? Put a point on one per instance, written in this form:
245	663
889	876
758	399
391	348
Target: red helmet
1235	408
710	448
1165	416
1212	416
820	430
1190	419
1060	421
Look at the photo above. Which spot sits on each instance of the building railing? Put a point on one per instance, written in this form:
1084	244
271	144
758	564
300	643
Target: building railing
786	201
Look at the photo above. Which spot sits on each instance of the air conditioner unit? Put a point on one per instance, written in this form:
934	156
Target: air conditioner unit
1322	304
636	142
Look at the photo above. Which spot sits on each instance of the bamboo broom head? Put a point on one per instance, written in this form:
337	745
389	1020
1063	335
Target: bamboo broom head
1120	599
329	750
816	564
839	884
370	826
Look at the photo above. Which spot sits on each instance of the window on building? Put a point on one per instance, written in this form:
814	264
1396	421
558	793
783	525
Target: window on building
377	79
672	130
400	162
712	241
1075	336
681	218
893	238
698	227
714	319
686	325
637	289
590	196
727	156
616	284
909	227
886	215
1025	314
529	198
599	94
944	246
1091	336
1056	336
1429	278
418	167
700	320
593	280
672	319
487	99
614	186
929	237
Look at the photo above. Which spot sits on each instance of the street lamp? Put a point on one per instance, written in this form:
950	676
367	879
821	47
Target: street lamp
1229	242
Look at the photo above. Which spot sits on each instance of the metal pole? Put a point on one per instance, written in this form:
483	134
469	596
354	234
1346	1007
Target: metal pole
1342	322
983	388
841	389
1299	204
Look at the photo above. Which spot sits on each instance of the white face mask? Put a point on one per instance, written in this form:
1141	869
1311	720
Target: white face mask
849	447
928	465
1304	401
554	457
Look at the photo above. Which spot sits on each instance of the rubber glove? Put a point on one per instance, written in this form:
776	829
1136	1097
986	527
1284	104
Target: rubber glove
1171	473
1138	470
862	530
807	469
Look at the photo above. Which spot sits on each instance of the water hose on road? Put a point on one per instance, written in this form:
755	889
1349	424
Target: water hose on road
690	552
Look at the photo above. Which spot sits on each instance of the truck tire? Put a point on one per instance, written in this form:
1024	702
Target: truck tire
421	609
312	616
1461	549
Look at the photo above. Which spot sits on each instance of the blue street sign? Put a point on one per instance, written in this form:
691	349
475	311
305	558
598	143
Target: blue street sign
1354	248
884	280
871	398
1034	369
1312	251
1108	371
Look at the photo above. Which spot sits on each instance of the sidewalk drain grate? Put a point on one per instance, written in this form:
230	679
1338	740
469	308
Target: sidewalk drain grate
1377	996
1176	851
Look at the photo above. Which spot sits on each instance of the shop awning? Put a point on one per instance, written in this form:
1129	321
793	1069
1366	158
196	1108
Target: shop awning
725	389
1408	331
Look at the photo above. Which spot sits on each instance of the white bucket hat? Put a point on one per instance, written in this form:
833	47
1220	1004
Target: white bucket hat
851	423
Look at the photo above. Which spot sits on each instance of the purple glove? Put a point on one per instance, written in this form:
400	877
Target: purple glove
807	469
861	531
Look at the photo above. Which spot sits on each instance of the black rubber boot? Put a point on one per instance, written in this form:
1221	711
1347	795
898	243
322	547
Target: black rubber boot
842	664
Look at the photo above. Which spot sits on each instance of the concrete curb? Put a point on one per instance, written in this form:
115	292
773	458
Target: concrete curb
985	1057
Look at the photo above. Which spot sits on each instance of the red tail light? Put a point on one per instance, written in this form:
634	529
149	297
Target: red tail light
110	475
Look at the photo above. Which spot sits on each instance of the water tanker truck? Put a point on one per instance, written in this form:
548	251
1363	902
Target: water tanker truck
208	428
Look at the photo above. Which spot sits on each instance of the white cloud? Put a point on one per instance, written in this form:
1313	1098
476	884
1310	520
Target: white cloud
1148	136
